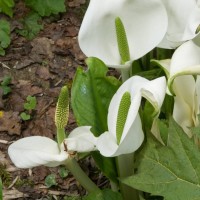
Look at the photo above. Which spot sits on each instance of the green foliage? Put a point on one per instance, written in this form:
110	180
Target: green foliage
172	171
4	36
6	7
91	94
29	105
31	27
50	180
46	7
106	194
5	85
63	172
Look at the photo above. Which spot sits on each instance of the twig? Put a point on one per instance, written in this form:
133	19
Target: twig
4	65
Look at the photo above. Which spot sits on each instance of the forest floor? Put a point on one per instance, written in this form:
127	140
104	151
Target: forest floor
40	68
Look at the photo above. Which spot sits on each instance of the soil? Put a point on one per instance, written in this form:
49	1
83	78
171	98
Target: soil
40	67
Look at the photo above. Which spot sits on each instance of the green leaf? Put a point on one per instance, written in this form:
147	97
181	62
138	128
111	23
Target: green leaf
50	180
6	90
6	7
31	103
172	171
63	172
47	7
106	194
30	26
4	36
92	91
196	130
6	81
25	116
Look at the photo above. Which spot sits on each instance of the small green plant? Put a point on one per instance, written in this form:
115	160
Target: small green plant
63	172
29	106
30	22
50	180
4	176
5	84
4	36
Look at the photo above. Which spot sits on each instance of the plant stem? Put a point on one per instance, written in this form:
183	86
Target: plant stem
73	166
125	167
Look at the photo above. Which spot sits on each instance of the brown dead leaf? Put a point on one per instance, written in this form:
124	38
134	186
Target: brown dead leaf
76	3
43	73
41	46
10	122
13	194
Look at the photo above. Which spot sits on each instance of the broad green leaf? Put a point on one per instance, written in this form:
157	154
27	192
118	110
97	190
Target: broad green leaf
92	91
47	7
6	7
171	171
4	36
106	194
50	180
30	26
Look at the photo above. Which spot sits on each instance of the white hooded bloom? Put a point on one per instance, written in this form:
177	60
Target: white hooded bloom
125	134
183	22
144	21
183	85
34	151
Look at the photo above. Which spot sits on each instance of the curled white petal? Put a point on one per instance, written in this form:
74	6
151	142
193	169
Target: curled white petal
81	139
145	23
184	18
35	151
132	136
108	146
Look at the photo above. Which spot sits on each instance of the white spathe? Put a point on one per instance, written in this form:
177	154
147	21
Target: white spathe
34	151
145	24
132	136
183	21
183	85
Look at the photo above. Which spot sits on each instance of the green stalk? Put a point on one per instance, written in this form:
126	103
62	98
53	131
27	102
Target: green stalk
80	175
125	167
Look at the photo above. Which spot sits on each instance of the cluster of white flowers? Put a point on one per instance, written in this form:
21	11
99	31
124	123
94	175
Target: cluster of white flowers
148	24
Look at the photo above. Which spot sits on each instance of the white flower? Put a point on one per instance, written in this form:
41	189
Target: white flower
145	24
34	151
184	64
183	21
125	134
